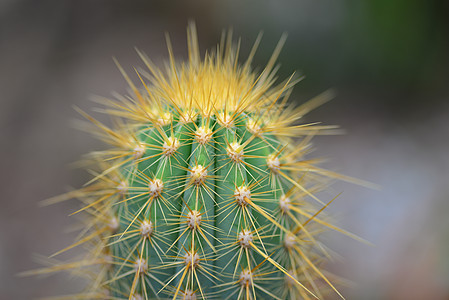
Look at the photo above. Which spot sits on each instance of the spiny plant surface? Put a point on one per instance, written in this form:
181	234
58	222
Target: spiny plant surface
206	191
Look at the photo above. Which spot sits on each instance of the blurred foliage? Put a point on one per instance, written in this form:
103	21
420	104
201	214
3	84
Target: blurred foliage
402	43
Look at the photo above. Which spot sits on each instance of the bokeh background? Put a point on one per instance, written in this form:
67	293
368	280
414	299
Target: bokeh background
387	60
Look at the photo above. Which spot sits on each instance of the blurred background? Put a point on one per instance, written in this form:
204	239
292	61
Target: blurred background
388	61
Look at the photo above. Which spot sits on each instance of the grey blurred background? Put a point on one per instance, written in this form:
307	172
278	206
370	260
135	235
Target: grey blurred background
388	61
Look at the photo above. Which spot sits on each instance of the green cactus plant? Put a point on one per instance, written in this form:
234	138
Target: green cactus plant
206	192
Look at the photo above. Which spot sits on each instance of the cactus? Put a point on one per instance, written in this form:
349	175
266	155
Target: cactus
206	192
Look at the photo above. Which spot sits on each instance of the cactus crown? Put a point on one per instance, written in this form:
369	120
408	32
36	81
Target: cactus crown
206	191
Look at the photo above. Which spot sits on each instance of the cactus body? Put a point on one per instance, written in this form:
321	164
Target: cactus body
206	192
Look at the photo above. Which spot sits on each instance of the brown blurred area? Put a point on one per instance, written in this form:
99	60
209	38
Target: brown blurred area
388	61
